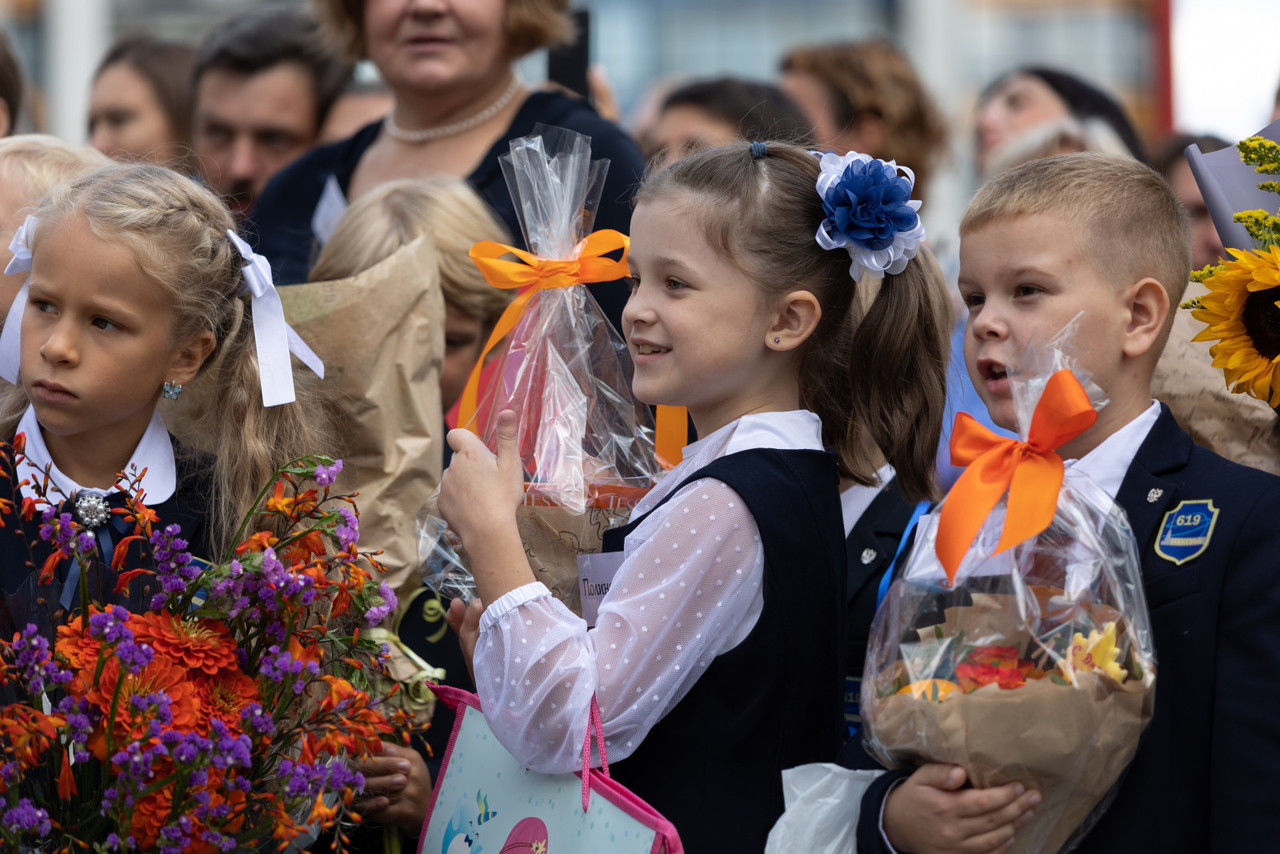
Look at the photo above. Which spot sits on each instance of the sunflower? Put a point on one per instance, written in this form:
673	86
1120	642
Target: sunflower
1242	313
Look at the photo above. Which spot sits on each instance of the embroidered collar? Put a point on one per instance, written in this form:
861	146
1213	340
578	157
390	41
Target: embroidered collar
154	453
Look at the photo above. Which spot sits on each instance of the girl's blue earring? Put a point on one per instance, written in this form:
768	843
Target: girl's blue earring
172	390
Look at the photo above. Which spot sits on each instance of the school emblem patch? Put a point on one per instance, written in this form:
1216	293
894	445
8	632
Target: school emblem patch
1185	531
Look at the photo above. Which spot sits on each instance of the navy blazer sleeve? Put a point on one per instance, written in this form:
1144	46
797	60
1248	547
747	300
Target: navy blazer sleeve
1244	744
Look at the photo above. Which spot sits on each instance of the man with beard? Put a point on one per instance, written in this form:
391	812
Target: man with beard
263	84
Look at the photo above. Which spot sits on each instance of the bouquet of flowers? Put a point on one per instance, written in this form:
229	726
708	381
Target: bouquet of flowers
220	708
1241	310
1016	642
586	443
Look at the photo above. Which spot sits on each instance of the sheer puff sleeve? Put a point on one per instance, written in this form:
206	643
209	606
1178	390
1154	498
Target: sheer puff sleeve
689	588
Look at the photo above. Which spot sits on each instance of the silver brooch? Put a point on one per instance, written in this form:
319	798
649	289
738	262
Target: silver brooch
868	555
92	510
1154	495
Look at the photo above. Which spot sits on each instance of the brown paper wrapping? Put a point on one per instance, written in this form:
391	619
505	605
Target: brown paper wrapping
381	336
1070	743
1239	427
554	537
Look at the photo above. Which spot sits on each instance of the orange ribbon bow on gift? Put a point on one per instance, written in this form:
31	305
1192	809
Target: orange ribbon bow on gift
535	274
1030	472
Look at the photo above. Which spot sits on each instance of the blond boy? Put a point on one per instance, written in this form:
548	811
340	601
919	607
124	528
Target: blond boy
1090	234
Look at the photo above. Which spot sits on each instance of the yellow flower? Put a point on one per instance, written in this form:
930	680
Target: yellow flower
1097	652
1242	313
930	689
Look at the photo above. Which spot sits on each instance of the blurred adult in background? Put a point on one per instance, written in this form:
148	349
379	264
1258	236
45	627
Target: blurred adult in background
10	86
140	102
710	113
1171	162
865	96
1034	112
458	103
361	102
263	85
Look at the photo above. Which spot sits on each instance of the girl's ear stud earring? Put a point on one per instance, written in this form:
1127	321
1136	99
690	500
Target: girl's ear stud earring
777	340
172	390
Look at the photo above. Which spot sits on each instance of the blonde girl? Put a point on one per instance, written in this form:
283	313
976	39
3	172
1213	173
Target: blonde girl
139	289
715	658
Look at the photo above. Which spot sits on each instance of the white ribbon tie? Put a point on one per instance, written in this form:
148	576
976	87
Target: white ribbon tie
11	336
274	337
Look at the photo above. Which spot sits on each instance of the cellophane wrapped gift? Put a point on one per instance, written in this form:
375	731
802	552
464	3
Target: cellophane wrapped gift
1033	664
586	443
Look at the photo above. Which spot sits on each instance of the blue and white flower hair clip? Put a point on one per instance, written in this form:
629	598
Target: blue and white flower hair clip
869	213
11	336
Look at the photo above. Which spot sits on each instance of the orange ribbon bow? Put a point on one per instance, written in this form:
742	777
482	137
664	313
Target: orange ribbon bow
1030	472
535	274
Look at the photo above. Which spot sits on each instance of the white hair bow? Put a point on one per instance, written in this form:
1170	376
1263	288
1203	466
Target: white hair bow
274	337
11	336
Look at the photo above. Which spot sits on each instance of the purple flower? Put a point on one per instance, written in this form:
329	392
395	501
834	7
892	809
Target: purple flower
134	657
108	626
326	475
378	613
34	660
257	719
347	531
27	816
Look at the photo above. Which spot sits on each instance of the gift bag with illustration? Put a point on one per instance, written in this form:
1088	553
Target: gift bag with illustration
1016	641
485	801
586	443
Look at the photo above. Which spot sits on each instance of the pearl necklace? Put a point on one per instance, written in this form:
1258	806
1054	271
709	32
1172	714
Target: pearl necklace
417	137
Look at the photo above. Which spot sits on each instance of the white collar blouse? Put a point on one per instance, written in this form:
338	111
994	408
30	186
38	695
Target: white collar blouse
153	456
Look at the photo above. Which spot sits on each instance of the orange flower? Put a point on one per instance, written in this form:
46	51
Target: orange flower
202	645
25	734
224	696
295	507
66	780
150	813
258	542
76	645
301	550
162	674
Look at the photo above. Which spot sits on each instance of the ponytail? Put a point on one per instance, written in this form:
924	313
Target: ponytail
897	374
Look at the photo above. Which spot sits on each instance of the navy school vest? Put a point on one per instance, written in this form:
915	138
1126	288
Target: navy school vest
712	766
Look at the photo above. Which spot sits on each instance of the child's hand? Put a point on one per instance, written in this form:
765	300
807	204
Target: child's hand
928	813
465	621
397	787
479	492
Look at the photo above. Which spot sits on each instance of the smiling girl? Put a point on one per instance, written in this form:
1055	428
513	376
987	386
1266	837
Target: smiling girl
716	655
136	290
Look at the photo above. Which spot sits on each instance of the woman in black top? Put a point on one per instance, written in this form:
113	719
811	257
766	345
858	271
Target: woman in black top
457	105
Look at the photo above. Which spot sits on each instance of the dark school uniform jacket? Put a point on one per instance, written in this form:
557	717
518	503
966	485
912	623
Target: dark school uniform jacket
869	550
1206	776
713	765
23	553
280	221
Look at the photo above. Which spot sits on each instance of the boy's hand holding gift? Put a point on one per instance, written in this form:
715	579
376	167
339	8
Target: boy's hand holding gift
1016	643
